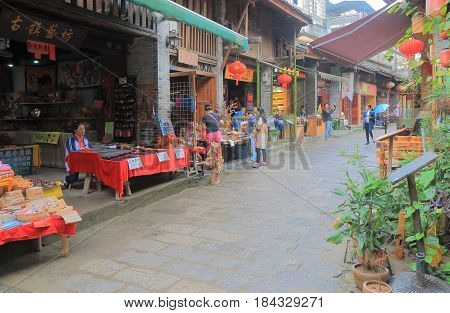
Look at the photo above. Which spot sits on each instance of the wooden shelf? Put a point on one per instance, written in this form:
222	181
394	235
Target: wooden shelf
49	119
44	103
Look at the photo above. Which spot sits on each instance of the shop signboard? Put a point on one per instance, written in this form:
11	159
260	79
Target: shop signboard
20	159
368	89
187	57
17	26
247	77
46	137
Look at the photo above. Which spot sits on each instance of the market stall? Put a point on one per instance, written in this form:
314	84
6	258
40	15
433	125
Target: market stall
115	168
29	211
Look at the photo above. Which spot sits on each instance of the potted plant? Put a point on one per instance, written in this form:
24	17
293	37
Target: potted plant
368	216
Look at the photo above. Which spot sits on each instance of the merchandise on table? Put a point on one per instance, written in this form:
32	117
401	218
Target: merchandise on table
16	210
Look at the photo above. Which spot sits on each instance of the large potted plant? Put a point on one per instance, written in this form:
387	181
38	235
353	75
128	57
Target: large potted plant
368	217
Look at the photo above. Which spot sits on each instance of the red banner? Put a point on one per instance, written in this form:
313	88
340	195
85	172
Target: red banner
41	48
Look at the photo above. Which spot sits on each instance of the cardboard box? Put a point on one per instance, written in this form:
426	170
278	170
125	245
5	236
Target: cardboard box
35	193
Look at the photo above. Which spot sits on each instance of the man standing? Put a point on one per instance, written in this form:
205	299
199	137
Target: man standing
328	119
369	123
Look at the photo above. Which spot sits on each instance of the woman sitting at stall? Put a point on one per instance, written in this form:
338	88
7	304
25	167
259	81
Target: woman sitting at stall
77	142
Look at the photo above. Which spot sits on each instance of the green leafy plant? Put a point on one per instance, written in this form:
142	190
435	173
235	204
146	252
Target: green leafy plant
368	215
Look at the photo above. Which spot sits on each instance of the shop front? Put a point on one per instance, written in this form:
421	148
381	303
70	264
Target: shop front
58	74
367	96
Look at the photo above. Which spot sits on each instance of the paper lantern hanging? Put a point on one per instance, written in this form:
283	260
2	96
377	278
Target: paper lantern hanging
443	34
433	7
445	57
238	69
284	80
390	85
410	47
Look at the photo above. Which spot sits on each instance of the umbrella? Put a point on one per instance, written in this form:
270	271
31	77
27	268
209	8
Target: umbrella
380	108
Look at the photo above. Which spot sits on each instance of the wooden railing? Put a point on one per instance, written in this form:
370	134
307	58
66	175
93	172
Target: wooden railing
197	40
121	9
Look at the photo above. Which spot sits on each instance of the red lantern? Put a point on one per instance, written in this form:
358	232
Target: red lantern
284	80
433	7
443	35
445	57
238	69
390	85
410	47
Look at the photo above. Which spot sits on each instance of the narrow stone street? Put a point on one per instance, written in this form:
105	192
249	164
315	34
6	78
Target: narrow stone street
261	230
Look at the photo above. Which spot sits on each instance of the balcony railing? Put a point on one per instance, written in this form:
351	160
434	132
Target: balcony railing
121	9
197	40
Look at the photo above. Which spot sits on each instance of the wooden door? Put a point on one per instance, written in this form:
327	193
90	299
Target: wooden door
206	93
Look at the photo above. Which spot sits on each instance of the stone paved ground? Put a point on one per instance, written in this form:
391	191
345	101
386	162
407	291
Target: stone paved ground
261	230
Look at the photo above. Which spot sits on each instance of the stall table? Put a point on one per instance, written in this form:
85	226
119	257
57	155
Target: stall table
52	225
116	174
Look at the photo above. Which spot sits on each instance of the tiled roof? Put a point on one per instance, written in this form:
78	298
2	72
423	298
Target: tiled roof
296	8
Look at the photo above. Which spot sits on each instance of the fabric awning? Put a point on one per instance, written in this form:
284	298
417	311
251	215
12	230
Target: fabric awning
172	10
363	39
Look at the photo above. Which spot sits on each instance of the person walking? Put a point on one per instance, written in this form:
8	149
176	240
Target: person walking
252	120
262	138
328	119
369	123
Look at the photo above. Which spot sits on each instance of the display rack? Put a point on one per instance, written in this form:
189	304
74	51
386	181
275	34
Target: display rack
125	110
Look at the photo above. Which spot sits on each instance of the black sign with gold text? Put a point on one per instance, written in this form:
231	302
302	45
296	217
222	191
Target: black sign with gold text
19	27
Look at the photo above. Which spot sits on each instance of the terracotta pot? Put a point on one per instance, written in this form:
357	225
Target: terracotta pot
361	276
376	286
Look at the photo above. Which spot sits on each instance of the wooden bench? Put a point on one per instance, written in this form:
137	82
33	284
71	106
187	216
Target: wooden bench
392	149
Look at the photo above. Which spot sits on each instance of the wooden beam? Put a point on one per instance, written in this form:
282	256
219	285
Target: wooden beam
237	28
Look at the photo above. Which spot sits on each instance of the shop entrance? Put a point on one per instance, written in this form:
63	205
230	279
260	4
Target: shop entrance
244	93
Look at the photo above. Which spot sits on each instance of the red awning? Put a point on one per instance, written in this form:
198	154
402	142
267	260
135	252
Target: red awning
363	39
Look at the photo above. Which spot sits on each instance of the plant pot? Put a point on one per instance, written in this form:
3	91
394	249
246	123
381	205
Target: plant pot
361	275
376	286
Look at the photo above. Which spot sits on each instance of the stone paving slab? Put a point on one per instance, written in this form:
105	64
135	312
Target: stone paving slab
261	230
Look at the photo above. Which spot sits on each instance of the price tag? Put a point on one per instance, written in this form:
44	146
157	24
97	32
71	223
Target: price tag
134	163
163	156
179	153
231	143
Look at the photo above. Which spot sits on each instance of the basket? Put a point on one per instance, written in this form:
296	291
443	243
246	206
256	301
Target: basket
31	217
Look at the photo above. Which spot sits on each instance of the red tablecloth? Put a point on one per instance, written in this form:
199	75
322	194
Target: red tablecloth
44	227
115	173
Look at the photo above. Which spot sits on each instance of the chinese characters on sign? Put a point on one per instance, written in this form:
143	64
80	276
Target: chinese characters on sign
20	159
368	89
187	57
18	27
41	48
247	77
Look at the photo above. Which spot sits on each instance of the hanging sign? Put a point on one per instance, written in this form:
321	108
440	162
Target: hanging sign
348	86
163	156
41	48
19	27
134	163
246	77
179	153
